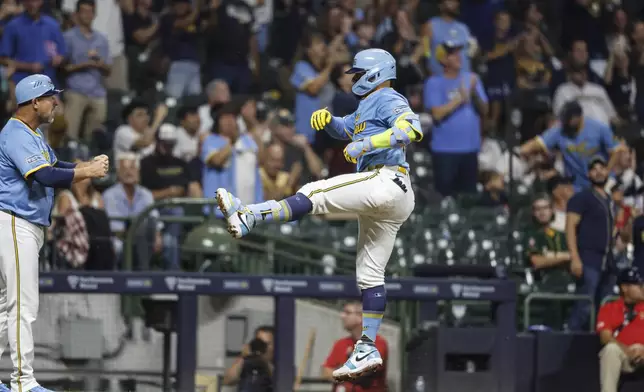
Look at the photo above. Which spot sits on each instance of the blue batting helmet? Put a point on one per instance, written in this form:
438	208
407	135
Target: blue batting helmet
371	67
34	86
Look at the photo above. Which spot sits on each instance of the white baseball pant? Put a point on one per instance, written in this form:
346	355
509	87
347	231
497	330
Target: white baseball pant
20	243
383	200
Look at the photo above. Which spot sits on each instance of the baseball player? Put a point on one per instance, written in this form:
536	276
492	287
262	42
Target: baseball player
29	172
379	193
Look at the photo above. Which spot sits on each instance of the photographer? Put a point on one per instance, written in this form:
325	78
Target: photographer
255	358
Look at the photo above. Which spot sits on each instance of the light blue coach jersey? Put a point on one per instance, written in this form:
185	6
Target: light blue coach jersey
23	151
375	114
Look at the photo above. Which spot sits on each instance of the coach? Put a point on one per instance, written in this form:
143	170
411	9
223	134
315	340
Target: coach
457	101
29	172
620	326
589	235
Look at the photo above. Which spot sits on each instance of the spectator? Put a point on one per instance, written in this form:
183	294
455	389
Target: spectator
581	22
623	173
592	97
621	331
140	26
218	95
623	213
88	60
456	101
499	58
71	239
188	135
546	248
232	44
493	190
179	30
128	199
445	27
166	177
109	23
277	183
66	148
560	190
301	161
533	84
311	80
618	40
638	241
620	84
637	66
344	102
535	26
33	43
577	60
577	138
264	333
589	236
137	135
403	43
230	159
364	35
352	322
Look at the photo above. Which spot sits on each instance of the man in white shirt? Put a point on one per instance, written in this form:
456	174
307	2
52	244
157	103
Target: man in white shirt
109	22
218	94
187	144
137	135
592	97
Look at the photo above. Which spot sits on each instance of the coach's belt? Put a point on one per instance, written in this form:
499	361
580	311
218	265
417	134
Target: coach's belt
398	168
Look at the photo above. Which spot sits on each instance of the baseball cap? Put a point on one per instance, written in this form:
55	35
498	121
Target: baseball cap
35	86
630	275
557	180
446	48
284	117
595	160
167	133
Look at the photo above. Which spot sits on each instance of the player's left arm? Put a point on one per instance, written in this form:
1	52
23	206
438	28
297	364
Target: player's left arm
404	126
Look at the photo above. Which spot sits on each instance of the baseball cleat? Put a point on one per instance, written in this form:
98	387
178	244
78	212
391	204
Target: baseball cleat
365	359
240	221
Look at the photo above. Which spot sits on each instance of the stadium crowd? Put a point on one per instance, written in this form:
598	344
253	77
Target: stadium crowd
190	95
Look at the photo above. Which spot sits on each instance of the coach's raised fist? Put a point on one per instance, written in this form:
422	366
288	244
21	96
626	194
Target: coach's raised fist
98	167
320	119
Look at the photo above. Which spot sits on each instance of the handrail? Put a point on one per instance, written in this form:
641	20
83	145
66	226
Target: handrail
560	297
177	202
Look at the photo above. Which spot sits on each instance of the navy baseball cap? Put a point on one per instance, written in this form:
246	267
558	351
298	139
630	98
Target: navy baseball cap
595	160
35	86
630	275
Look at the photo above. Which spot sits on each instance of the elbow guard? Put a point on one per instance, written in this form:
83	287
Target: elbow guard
406	131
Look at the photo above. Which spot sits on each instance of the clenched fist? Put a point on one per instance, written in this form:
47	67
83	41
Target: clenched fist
100	165
355	150
320	119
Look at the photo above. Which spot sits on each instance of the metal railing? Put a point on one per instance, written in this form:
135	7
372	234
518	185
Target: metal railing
551	297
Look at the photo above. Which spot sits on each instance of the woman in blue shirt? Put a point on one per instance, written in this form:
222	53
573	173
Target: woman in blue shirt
311	80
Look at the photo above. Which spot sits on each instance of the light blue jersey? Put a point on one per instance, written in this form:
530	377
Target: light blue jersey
23	151
375	114
594	138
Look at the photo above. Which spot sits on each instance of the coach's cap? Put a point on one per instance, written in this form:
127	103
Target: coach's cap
595	160
167	133
284	117
447	48
34	86
630	275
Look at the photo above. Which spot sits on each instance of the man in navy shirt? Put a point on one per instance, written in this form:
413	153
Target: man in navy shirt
33	42
589	234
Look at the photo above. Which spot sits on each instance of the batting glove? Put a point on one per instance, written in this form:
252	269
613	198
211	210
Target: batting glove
355	150
320	119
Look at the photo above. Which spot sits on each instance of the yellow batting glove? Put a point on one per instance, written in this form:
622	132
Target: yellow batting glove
320	119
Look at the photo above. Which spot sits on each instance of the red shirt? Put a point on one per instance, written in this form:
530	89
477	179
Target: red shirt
341	351
611	316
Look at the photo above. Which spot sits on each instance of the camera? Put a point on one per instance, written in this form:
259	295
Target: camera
256	374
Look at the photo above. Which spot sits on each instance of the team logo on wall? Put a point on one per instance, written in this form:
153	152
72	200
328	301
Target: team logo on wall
268	284
73	281
457	289
171	282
